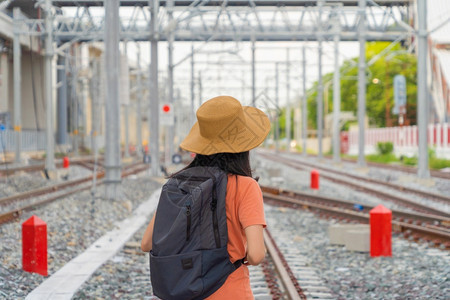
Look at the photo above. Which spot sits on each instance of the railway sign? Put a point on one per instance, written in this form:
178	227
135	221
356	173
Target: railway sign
166	115
399	95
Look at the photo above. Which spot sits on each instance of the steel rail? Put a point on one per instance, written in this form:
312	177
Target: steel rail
377	192
439	197
288	280
400	168
349	205
5	170
46	190
403	227
15	213
413	170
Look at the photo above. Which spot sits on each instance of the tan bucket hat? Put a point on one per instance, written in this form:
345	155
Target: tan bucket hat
225	126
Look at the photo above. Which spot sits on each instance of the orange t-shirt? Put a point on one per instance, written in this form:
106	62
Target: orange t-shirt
244	205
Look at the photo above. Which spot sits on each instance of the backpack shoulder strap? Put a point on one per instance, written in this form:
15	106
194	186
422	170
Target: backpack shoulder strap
241	261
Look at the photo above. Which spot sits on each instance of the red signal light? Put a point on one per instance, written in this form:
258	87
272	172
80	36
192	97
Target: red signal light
166	108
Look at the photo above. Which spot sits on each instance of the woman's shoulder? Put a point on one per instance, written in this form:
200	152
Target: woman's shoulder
244	180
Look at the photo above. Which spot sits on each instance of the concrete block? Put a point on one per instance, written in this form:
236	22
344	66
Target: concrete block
357	240
336	232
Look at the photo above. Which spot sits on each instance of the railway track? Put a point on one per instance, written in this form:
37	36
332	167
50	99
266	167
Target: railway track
431	228
54	192
291	288
399	168
296	278
374	187
6	171
406	169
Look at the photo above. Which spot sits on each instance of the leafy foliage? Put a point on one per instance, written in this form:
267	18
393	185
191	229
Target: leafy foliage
282	123
385	147
379	89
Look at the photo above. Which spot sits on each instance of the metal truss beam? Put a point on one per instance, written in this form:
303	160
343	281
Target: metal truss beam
232	23
67	3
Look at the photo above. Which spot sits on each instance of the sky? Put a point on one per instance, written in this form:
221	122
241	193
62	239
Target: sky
230	73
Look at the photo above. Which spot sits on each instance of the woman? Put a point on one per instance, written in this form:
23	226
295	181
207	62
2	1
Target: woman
222	137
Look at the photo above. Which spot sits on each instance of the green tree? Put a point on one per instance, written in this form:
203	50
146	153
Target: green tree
282	123
379	89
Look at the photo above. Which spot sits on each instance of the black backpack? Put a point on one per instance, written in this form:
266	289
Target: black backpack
189	257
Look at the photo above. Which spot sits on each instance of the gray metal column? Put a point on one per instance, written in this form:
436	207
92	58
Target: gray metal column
61	134
95	99
95	109
288	104
361	82
112	104
422	90
304	104
243	87
277	110
171	129
17	68
336	102
84	98
320	84
200	89
50	155
253	71
192	115
126	111
139	104
154	90
74	101
320	102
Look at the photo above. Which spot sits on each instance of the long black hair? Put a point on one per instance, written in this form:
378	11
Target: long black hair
231	163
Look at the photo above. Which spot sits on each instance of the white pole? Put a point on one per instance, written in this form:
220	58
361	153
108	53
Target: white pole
17	66
288	104
304	104
154	91
361	82
50	155
336	102
113	170
422	90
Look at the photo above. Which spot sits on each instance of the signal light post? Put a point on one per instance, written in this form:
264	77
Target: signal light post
166	118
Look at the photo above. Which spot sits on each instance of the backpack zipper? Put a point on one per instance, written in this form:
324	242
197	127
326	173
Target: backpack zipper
214	216
188	222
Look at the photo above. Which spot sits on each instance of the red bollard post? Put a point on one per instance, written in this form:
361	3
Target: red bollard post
34	246
66	162
314	179
380	231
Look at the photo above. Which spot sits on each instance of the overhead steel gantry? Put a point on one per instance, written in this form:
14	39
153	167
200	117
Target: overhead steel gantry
363	20
233	20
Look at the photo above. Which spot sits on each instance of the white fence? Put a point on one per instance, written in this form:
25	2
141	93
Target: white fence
31	140
405	139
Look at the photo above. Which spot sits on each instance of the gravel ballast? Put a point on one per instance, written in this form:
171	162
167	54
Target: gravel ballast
73	224
415	271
